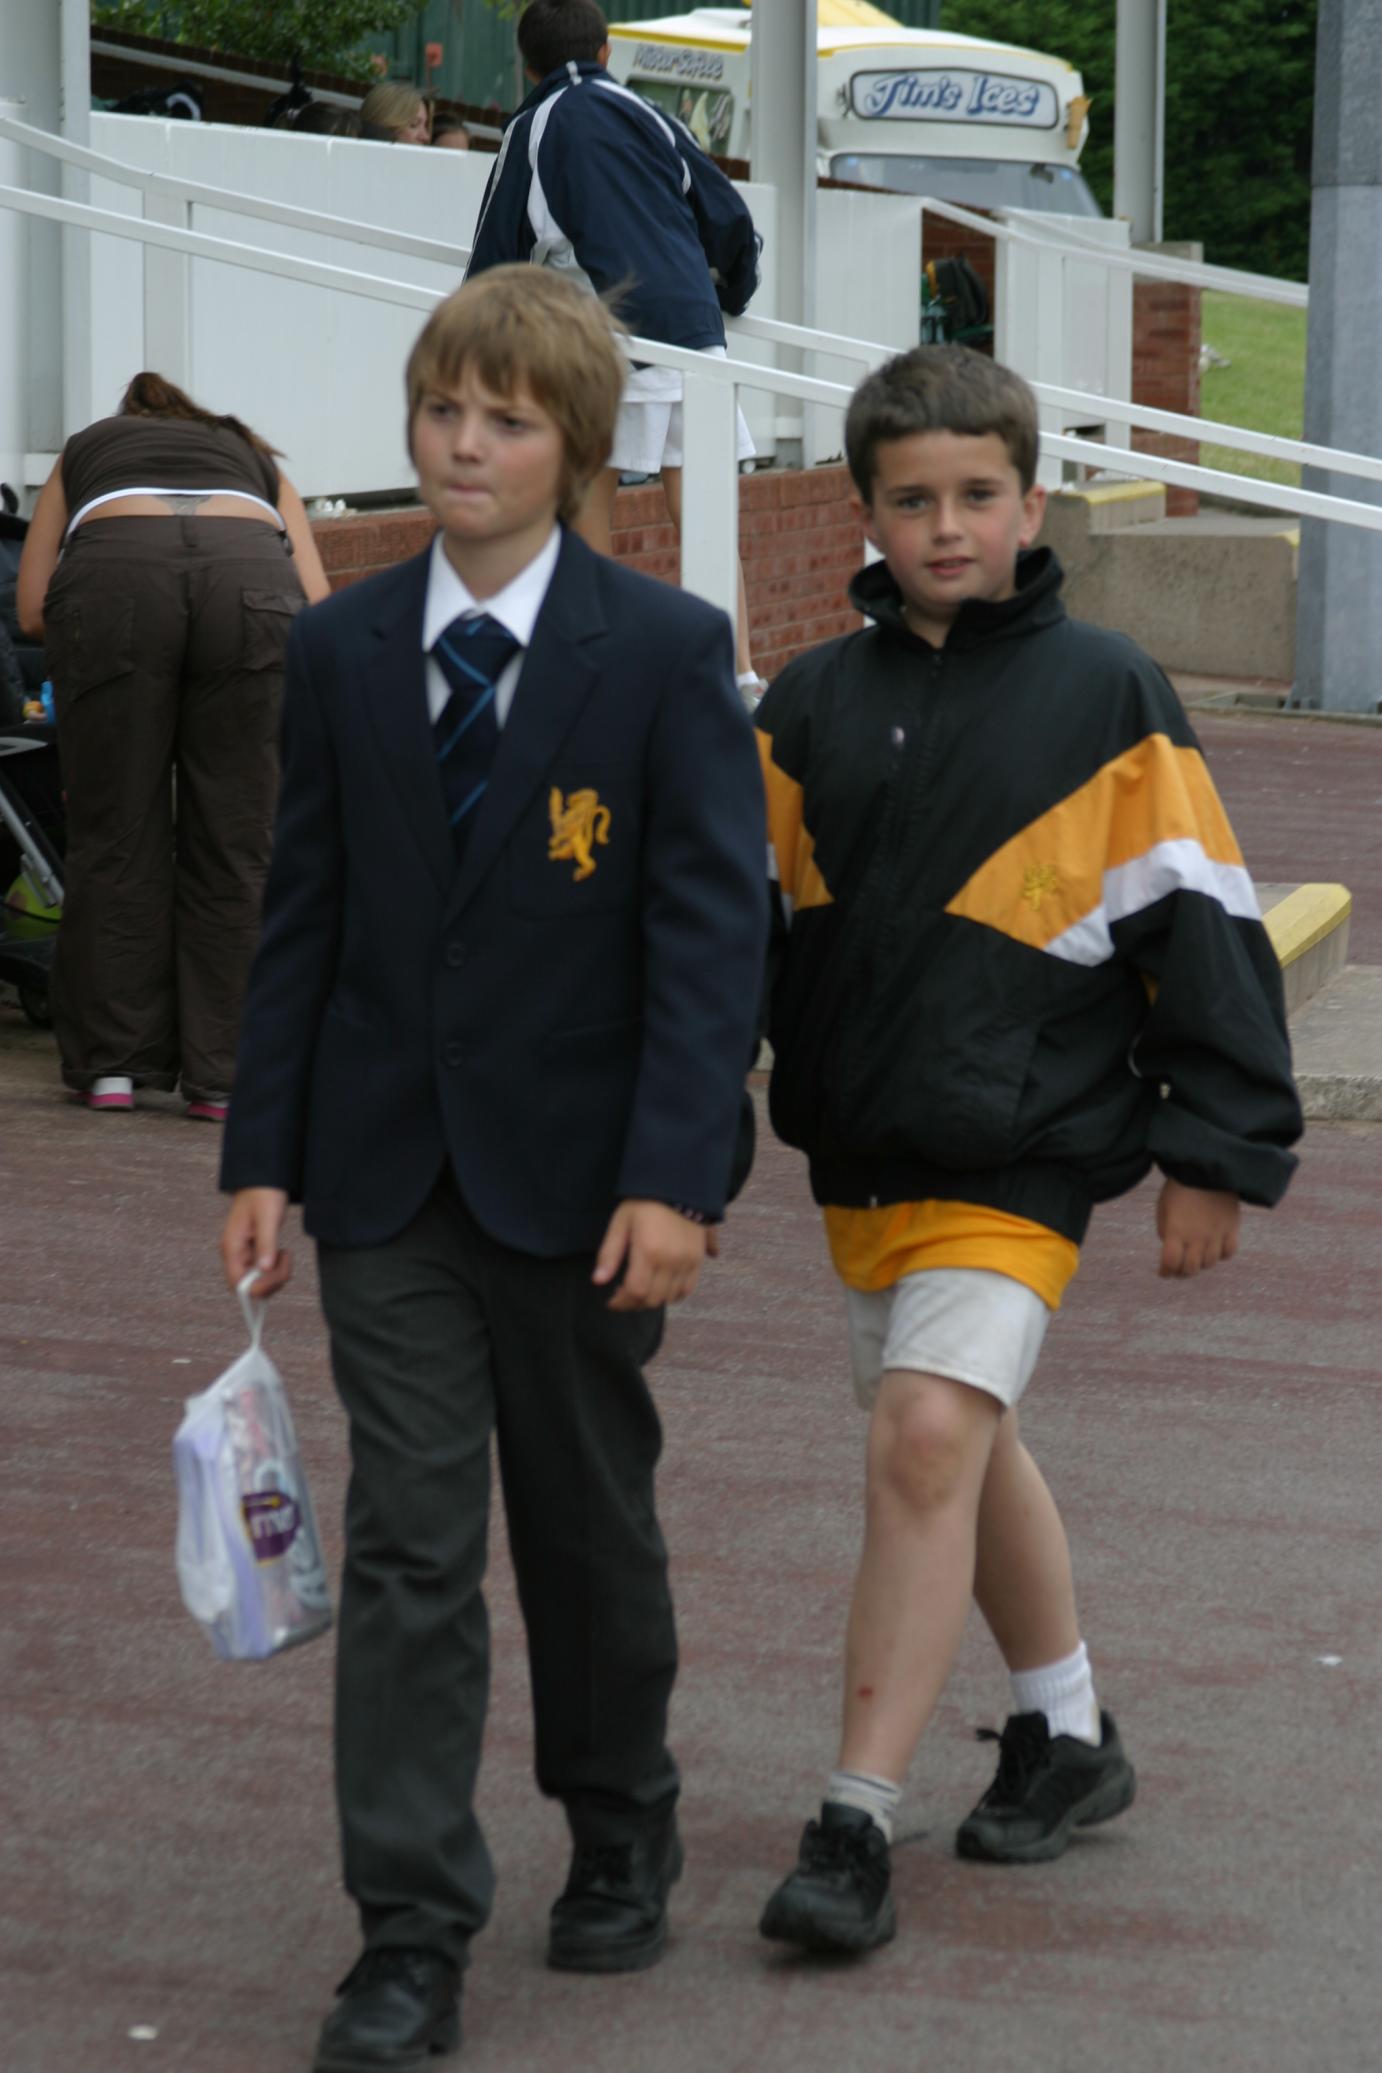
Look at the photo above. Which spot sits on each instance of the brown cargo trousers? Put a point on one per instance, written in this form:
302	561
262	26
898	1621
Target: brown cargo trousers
165	640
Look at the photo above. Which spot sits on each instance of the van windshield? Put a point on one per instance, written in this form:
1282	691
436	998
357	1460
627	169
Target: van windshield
708	112
976	183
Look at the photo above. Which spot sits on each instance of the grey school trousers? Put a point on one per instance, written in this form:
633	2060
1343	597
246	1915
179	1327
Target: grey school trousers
165	640
440	1340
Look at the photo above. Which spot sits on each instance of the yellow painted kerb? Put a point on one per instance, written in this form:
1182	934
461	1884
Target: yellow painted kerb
1117	492
1305	917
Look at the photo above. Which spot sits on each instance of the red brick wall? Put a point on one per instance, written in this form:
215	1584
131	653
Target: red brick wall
799	545
1166	372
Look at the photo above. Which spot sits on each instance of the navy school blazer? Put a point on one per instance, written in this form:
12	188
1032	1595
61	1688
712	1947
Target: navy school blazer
569	1016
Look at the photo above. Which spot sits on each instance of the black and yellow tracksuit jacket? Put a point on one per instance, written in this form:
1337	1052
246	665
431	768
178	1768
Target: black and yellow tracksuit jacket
1024	959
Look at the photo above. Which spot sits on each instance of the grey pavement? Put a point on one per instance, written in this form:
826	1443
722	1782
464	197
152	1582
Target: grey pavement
167	1857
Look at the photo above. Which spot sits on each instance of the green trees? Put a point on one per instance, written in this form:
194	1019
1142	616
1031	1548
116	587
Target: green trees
1240	80
323	34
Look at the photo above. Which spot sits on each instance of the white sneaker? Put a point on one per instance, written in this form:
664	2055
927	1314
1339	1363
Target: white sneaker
113	1091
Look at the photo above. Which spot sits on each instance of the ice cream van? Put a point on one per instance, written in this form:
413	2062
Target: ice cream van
918	111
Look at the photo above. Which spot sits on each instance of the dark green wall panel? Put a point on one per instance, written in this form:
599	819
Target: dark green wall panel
478	51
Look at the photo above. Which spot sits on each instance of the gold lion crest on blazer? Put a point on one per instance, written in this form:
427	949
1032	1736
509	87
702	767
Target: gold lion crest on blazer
578	823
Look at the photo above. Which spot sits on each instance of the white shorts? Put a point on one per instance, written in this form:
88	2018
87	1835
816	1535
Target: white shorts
648	433
966	1323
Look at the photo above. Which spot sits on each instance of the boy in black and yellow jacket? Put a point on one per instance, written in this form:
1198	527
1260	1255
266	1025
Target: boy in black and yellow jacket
1019	961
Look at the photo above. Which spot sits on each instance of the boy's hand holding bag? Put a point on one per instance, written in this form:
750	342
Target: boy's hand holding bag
248	1557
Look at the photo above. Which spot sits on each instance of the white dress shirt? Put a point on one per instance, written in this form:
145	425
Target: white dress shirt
516	607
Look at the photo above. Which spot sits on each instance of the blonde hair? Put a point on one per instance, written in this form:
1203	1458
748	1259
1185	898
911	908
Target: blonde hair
525	327
392	105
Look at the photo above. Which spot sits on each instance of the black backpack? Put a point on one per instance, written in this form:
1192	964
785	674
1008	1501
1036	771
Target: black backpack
954	307
21	660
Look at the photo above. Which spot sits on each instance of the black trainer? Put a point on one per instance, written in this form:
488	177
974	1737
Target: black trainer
1047	1786
837	1899
612	1916
397	2010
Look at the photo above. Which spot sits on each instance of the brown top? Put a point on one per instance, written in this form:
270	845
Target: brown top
125	453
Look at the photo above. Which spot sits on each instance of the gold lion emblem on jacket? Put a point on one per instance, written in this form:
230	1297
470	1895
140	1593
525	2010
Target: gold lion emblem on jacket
1040	882
577	825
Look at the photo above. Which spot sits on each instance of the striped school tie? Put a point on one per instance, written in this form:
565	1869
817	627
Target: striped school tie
471	655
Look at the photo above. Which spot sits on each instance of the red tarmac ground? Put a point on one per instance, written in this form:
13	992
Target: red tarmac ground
167	1856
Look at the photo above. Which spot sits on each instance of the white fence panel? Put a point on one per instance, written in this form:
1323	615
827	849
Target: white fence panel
1065	321
868	285
319	374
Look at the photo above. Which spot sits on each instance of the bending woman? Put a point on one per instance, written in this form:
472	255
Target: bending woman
163	565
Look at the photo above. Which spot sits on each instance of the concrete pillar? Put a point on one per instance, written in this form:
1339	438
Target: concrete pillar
45	64
79	404
14	343
30	70
1139	117
1339	598
782	149
783	142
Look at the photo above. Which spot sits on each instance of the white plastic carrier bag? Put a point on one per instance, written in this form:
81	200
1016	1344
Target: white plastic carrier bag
248	1557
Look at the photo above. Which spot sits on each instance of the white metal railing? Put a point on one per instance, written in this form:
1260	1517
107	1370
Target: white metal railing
198	244
1156	265
1244	489
721	378
193	192
710	491
161	62
1267	444
225	75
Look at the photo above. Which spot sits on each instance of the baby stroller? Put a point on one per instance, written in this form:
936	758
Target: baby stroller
30	861
31	814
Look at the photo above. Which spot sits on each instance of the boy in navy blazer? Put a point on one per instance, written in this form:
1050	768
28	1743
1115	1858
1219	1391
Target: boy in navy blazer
495	1042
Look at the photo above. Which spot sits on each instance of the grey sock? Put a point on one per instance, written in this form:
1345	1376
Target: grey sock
877	1797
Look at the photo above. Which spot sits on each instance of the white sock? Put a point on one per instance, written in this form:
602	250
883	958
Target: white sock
879	1798
1064	1692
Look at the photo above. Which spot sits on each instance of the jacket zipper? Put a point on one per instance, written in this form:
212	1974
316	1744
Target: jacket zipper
912	761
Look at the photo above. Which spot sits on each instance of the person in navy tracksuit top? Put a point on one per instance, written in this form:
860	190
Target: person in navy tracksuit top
496	1041
595	181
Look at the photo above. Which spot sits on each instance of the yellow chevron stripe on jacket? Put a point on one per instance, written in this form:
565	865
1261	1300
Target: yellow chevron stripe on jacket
1154	818
791	845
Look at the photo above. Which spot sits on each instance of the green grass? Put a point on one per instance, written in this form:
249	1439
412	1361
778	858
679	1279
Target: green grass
1264	389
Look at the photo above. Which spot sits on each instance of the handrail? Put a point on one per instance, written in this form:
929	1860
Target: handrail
1335	459
376	287
834	345
1247	489
1233	280
199	245
228	199
192	68
1068	241
1261	287
226	75
727	372
407	294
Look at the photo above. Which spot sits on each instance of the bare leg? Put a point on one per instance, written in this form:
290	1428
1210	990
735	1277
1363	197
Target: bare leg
595	519
1022	1580
928	1452
743	653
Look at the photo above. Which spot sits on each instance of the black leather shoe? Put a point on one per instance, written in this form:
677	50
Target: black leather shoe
397	2010
612	1916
